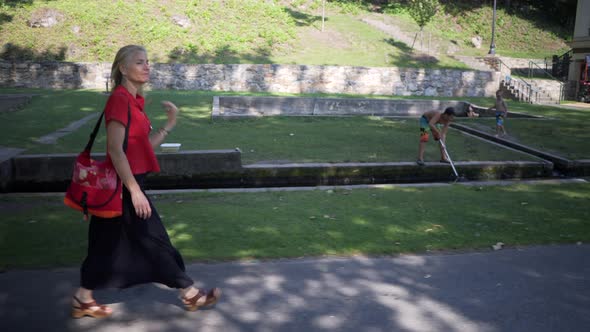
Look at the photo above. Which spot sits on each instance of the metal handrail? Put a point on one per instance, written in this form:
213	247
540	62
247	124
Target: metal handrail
557	60
561	85
532	63
570	53
529	89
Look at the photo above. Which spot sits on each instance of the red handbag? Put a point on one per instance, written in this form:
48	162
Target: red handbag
96	188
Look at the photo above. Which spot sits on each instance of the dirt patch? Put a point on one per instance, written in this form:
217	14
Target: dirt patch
330	38
391	29
422	43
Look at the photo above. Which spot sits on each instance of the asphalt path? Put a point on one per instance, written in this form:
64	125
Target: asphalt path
540	288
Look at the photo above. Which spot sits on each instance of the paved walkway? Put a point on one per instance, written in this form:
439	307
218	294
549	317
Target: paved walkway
52	138
574	105
521	289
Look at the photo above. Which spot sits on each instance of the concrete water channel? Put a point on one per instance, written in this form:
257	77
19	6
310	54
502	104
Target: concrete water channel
224	168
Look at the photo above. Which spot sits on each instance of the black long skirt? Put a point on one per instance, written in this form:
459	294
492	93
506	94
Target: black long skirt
127	250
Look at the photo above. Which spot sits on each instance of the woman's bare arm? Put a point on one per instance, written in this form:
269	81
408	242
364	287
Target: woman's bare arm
115	138
158	136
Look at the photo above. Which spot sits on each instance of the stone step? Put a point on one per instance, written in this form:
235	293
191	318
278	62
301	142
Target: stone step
474	62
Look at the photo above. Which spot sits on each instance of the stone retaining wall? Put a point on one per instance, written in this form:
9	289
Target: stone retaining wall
263	78
521	62
54	75
552	88
254	106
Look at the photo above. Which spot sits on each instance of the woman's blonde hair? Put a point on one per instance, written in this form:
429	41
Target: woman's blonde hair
122	58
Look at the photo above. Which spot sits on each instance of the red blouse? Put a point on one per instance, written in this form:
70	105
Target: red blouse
140	152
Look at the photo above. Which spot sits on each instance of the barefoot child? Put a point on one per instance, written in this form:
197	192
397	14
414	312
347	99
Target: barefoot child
501	114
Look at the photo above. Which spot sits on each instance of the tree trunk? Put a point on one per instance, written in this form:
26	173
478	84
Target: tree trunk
323	14
416	36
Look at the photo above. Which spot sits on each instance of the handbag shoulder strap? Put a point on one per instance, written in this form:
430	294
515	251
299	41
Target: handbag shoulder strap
127	127
97	126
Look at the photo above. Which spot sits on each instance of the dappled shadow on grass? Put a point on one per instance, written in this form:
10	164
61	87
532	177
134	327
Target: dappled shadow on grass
377	221
222	55
5	18
18	3
398	44
407	57
13	52
212	226
416	60
302	19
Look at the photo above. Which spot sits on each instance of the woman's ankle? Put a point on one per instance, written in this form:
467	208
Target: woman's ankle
188	292
83	294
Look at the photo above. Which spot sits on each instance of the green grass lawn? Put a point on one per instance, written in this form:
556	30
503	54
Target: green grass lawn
48	111
318	139
41	232
559	133
561	137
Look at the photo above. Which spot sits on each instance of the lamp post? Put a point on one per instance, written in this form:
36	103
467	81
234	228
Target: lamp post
493	45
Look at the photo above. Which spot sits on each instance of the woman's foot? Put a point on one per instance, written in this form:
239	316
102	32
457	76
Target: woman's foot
81	308
194	298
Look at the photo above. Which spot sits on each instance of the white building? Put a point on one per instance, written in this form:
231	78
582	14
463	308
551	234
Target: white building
580	44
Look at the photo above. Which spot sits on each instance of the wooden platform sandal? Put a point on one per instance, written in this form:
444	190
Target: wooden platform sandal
197	301
84	309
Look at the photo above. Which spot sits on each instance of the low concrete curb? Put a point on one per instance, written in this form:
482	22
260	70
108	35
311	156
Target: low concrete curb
375	173
580	167
54	136
223	169
53	172
566	166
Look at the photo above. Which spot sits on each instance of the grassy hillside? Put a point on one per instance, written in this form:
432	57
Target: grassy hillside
526	33
263	31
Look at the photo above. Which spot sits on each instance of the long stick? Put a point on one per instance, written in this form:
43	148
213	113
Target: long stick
448	157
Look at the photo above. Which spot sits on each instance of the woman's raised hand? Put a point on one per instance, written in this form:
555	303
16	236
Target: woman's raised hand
171	111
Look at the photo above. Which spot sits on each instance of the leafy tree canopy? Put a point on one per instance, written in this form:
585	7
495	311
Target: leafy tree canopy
422	11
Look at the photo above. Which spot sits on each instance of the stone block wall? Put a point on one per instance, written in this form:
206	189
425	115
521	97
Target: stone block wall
551	88
53	75
254	106
521	66
263	78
